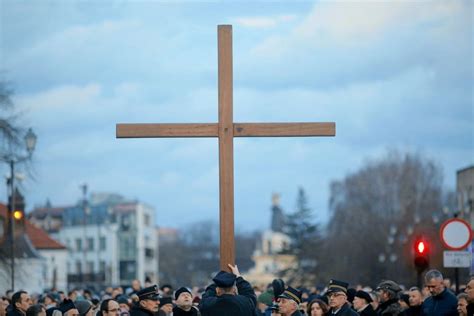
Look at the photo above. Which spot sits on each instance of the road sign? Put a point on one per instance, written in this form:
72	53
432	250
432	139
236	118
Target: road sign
456	234
456	259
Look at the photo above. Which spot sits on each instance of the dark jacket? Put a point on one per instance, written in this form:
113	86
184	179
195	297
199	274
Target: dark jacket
15	312
390	308
443	304
138	311
368	311
181	312
414	311
243	304
470	309
345	310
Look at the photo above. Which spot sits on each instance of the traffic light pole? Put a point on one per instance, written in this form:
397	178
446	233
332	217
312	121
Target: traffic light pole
11	209
456	279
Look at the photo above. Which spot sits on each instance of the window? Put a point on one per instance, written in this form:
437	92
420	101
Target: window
90	243
78	267
89	267
79	244
102	266
102	243
146	219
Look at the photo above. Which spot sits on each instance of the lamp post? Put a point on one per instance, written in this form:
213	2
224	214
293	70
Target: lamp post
12	159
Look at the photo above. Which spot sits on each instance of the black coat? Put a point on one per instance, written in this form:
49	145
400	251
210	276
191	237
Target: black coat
229	305
345	310
414	311
368	311
15	312
138	311
181	312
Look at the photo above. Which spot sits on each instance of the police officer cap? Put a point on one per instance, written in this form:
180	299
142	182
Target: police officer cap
337	286
224	279
292	294
388	285
149	293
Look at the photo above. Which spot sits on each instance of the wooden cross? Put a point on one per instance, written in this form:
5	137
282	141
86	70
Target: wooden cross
225	130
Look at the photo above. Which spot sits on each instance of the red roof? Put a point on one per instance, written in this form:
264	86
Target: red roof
39	238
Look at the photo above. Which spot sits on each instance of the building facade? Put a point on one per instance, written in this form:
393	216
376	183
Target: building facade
110	241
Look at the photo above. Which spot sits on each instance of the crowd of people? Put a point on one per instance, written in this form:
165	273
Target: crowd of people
230	294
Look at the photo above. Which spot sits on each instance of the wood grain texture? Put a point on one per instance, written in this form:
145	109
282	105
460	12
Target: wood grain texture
226	147
284	129
166	130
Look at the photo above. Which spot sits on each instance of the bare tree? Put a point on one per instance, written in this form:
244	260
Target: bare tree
376	213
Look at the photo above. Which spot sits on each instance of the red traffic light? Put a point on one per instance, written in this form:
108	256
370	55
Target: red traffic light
420	247
422	254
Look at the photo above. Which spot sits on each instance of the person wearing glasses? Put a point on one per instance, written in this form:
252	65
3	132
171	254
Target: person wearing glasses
109	307
337	297
442	301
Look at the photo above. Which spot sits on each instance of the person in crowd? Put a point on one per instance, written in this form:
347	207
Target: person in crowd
264	301
85	308
317	307
68	308
4	303
374	295
124	304
36	310
21	301
166	306
415	300
462	304
337	296
166	290
388	292
442	301
362	305
146	302
51	300
230	295
289	301
183	298
109	307
404	300
136	286
469	290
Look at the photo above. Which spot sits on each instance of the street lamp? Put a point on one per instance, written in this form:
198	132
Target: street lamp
12	159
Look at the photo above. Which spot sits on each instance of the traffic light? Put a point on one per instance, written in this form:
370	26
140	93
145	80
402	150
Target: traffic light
17	208
422	254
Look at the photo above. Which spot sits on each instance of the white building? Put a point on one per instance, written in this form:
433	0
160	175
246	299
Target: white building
110	242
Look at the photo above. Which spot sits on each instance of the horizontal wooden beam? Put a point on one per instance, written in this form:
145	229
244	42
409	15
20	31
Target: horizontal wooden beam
284	129
166	130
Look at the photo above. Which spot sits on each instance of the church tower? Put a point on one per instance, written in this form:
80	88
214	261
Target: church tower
278	218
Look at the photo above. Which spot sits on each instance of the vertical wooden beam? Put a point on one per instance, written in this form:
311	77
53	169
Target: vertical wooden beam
226	147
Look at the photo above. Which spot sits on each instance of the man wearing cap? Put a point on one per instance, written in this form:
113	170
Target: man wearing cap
230	295
388	291
146	302
289	302
337	297
166	306
362	305
183	298
68	308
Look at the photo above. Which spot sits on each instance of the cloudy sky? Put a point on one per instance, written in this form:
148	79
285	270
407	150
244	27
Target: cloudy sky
391	74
